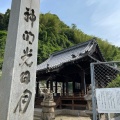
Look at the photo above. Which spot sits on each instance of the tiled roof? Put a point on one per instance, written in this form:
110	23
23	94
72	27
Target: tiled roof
70	54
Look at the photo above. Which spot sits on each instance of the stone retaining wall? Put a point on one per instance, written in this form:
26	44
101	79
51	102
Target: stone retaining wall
71	112
66	112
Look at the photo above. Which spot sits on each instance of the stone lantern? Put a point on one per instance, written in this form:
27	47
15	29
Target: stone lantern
48	105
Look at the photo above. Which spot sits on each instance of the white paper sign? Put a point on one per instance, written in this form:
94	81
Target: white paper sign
108	100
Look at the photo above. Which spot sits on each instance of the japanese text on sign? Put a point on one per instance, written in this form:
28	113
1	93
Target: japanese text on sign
108	100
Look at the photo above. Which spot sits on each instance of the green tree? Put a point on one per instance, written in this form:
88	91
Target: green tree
55	35
115	82
1	21
3	35
6	19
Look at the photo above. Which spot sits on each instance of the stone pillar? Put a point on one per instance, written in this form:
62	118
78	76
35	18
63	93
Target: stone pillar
17	87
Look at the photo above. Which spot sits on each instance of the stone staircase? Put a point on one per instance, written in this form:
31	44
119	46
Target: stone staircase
37	114
36	117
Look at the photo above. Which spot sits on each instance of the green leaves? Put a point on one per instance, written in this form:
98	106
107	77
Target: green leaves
3	35
115	82
4	20
110	52
55	35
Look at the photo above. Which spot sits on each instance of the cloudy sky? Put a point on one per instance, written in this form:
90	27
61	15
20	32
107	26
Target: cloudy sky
100	18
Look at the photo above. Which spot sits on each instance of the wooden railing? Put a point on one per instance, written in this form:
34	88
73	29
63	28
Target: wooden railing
71	101
73	95
57	101
74	102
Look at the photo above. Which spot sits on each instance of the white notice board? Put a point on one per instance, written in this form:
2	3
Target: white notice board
108	100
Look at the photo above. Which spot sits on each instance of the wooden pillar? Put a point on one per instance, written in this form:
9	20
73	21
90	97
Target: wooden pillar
73	87
63	86
51	85
83	83
56	87
37	89
67	88
47	84
72	104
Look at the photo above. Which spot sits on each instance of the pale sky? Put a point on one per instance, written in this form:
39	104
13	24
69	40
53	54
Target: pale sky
100	18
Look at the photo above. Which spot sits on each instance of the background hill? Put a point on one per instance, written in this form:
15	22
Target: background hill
55	35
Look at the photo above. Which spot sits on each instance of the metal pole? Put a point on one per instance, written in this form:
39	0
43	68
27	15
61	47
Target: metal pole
109	116
93	91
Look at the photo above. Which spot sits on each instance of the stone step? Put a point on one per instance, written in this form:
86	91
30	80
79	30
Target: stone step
37	114
36	118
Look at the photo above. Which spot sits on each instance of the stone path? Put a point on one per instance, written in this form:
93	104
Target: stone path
60	117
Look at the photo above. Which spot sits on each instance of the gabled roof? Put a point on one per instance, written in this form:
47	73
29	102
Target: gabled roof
73	53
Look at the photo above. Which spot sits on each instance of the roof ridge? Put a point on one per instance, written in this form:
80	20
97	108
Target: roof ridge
101	52
46	61
74	47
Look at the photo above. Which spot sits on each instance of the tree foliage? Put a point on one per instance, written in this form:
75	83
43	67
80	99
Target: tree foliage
115	82
3	35
55	35
4	20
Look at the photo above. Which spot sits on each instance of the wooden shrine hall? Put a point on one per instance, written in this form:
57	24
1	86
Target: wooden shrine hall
71	69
